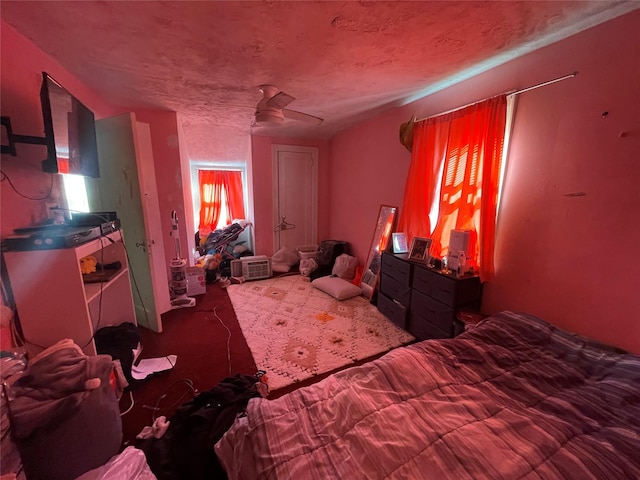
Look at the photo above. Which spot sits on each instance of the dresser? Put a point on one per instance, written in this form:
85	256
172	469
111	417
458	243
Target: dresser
423	300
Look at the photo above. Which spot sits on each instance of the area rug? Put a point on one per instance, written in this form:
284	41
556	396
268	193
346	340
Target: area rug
295	331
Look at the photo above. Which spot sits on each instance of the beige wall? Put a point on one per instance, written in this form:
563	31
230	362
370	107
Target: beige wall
570	259
21	67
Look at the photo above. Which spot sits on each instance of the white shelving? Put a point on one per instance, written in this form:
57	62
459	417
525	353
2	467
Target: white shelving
53	301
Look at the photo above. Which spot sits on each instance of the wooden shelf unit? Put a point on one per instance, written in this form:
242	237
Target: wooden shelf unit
52	300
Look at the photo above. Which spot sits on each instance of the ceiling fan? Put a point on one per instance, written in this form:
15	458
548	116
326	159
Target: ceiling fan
271	109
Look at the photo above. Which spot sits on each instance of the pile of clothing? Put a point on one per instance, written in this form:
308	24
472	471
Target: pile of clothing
331	258
64	412
219	248
183	449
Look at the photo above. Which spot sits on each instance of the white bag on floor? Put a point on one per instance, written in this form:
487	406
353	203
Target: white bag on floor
131	464
345	266
307	265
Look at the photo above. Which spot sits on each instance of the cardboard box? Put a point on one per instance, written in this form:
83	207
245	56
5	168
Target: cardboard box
196	284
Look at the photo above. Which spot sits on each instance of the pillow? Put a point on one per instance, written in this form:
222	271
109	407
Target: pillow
338	288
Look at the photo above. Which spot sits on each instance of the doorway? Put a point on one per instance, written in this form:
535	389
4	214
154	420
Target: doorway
295	196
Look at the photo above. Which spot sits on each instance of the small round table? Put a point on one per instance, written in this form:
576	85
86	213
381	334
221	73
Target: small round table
466	320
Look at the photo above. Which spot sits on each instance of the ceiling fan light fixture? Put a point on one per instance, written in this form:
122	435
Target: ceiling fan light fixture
280	100
266	118
270	110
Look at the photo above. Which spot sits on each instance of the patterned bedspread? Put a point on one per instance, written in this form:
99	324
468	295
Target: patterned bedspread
514	397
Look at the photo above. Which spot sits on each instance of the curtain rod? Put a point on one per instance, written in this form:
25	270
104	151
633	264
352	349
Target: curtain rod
543	84
513	92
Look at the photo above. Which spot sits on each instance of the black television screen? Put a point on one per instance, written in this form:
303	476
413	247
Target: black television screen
69	127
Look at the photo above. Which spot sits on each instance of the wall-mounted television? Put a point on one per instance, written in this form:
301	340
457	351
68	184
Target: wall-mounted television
70	133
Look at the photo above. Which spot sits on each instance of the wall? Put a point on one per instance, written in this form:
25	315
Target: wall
571	260
172	176
185	171
262	179
21	69
556	251
368	168
22	66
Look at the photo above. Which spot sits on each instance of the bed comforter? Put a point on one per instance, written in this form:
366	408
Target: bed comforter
514	397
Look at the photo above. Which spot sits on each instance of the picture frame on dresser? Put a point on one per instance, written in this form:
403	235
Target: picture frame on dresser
420	249
400	243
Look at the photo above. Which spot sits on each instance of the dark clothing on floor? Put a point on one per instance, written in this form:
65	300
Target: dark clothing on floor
186	451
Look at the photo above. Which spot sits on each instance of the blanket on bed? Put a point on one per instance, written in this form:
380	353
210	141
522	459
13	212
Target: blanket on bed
512	398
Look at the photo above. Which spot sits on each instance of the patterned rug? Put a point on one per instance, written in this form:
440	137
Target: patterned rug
295	331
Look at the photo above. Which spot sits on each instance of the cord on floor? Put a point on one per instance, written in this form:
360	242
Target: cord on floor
130	406
228	337
156	408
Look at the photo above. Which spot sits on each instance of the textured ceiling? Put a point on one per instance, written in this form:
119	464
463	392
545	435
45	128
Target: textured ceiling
343	61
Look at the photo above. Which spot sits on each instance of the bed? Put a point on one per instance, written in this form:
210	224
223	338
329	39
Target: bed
513	397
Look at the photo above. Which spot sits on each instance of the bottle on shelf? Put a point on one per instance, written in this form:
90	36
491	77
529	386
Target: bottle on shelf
462	262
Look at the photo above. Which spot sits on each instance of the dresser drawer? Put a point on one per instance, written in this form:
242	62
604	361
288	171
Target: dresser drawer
395	290
393	311
432	311
435	285
423	330
396	268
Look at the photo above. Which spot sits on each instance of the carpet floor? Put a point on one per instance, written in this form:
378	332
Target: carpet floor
209	345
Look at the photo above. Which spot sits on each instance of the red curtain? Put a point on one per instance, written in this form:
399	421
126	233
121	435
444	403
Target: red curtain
466	146
428	153
212	184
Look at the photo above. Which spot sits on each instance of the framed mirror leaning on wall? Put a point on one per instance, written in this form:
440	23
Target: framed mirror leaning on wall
381	234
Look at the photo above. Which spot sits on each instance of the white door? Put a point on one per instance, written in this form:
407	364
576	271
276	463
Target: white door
127	186
152	222
295	188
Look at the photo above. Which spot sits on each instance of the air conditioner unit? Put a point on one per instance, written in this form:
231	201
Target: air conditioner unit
236	268
255	268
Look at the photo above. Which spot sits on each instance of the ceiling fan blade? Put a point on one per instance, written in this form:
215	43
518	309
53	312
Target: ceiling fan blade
303	117
280	100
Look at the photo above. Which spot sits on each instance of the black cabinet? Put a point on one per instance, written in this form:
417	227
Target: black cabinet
394	297
422	300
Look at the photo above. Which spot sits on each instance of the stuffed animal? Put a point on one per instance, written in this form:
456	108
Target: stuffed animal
88	264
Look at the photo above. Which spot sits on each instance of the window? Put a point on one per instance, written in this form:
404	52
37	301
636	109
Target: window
454	179
221	198
75	192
